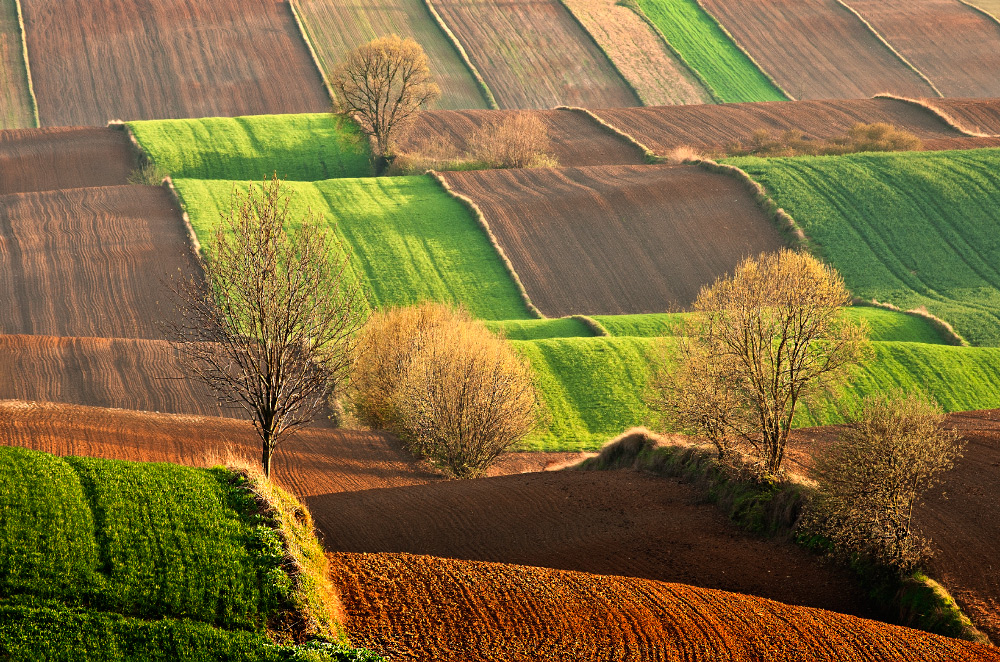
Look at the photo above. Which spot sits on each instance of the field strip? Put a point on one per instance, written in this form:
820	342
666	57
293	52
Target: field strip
981	115
18	109
991	7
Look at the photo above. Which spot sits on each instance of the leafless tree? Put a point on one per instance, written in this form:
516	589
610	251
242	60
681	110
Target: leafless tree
382	84
270	326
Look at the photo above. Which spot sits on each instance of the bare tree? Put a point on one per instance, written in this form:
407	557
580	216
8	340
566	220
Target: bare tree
762	342
270	326
382	84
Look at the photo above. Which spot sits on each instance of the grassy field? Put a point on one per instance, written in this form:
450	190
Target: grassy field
561	327
916	229
409	240
703	44
302	147
16	110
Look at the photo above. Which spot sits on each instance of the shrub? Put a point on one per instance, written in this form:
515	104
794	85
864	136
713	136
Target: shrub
878	137
519	141
148	174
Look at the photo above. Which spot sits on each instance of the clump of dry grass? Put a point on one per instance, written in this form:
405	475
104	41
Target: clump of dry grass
148	174
877	137
518	141
683	154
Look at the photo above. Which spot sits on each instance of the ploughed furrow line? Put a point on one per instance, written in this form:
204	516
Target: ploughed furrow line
533	54
64	157
614	522
981	115
613	240
97	60
954	45
816	49
91	262
423	608
714	127
575	139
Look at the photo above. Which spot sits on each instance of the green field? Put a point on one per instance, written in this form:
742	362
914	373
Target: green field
710	51
304	147
911	229
562	327
410	240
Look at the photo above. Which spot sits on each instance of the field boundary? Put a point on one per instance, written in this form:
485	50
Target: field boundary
477	213
487	93
944	329
651	157
27	63
981	11
168	183
892	49
595	327
304	33
940	113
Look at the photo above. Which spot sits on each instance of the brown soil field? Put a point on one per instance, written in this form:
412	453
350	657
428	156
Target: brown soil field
65	157
533	54
624	239
981	115
576	140
961	143
952	44
338	27
90	262
816	49
97	60
420	608
608	522
715	126
648	64
15	99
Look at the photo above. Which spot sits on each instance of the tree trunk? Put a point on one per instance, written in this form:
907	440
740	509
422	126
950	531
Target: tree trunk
265	459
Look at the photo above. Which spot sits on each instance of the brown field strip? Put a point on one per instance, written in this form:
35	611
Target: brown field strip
419	608
981	115
16	110
952	44
533	54
816	49
90	262
608	522
335	28
48	159
97	60
715	126
624	239
646	62
576	140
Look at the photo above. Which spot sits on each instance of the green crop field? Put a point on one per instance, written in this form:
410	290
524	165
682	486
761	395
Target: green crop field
915	229
410	241
707	48
539	329
302	147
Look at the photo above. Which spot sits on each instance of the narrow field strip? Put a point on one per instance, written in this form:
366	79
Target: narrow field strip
17	109
64	158
982	115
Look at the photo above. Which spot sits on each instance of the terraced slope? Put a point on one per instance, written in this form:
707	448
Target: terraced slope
955	46
910	229
16	109
981	115
65	157
637	51
180	58
437	609
627	239
816	49
533	54
726	70
335	28
90	262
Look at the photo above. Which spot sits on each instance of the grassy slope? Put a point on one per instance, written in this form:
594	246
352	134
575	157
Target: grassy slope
710	51
539	329
917	229
302	147
409	240
16	111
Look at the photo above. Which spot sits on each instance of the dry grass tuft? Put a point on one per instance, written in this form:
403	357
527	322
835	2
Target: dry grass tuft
683	154
877	137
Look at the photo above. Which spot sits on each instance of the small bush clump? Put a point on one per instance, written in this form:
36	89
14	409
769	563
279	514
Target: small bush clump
878	137
148	174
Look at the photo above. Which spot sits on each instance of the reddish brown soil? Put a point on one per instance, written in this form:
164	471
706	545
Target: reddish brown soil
423	608
626	239
961	143
533	54
614	522
576	140
709	127
90	262
981	115
97	60
47	159
816	49
955	46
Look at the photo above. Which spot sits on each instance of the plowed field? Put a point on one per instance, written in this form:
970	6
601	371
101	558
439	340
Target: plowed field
981	115
711	127
90	262
656	73
613	522
576	140
424	608
47	159
816	49
337	27
533	54
629	239
954	45
96	60
15	101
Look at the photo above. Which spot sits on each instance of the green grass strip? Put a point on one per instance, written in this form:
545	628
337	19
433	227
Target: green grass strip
563	327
